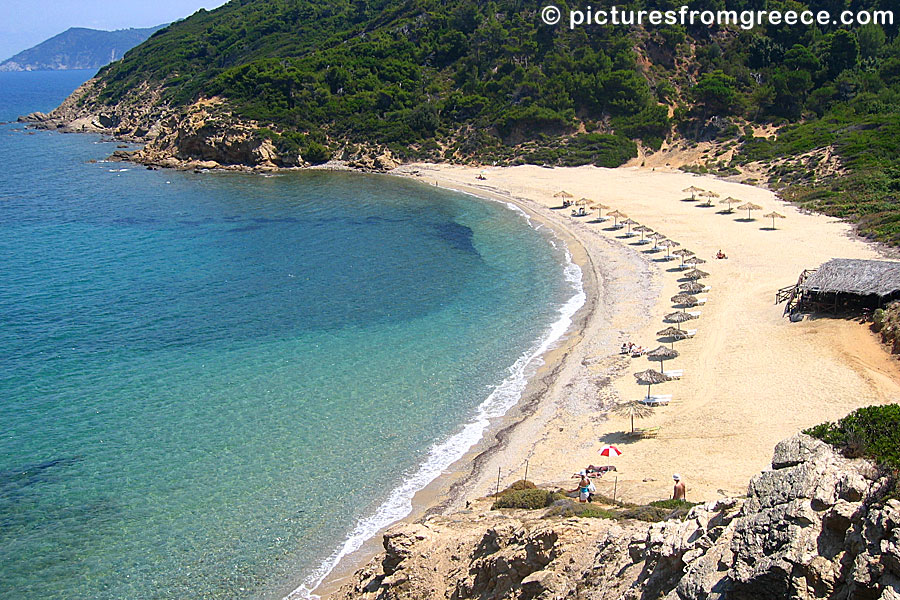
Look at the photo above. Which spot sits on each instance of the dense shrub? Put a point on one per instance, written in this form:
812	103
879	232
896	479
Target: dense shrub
872	432
531	499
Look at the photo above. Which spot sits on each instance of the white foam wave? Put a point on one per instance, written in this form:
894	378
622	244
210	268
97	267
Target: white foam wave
441	455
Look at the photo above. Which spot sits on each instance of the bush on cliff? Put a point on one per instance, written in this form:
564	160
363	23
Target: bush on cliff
530	499
872	432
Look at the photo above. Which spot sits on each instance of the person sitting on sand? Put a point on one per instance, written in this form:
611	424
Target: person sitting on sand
584	487
679	492
720	255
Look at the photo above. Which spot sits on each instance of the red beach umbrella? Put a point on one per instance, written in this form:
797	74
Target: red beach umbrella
610	451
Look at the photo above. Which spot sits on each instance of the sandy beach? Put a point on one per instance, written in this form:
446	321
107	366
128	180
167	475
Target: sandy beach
751	377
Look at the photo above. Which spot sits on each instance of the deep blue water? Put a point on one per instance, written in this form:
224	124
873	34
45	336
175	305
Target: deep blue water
209	381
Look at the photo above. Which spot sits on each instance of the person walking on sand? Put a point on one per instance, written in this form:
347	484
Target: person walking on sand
679	492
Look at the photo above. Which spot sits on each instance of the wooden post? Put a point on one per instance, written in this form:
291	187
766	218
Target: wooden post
498	482
526	470
615	488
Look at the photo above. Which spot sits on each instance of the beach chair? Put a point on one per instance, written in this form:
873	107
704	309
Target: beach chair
646	432
657	400
701	300
674	373
695	313
691	332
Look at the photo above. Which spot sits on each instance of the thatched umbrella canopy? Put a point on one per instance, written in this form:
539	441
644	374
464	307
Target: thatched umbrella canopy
657	238
563	194
694	260
616	215
692	287
774	215
642	229
672	332
748	207
629	222
667	244
696	274
582	202
729	201
709	196
662	353
634	408
599	207
683	253
692	190
682	298
650	378
679	318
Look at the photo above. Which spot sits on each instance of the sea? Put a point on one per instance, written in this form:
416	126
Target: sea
216	385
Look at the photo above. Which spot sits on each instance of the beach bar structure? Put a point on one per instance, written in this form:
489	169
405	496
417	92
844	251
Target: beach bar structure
843	285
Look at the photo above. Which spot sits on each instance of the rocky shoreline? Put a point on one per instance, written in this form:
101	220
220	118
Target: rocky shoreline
204	135
814	526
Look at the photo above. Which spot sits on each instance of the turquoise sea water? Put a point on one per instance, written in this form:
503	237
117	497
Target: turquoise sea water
214	385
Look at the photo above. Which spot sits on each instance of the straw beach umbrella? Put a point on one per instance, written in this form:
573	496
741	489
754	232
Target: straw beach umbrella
684	299
650	378
564	195
748	207
642	229
694	260
662	353
709	196
692	191
679	318
672	332
632	409
599	207
616	215
729	201
696	274
692	287
683	253
667	244
629	223
657	238
774	215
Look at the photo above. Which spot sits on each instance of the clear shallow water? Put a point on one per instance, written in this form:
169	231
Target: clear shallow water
208	382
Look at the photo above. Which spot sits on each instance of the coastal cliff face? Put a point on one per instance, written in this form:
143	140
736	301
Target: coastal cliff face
204	134
811	527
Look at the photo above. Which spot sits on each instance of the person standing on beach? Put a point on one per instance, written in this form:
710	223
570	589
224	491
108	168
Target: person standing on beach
584	487
679	492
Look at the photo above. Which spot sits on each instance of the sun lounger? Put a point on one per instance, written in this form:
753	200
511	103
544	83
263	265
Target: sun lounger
646	432
658	400
701	300
674	373
691	332
695	313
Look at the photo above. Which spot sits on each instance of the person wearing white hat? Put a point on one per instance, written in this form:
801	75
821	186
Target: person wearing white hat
584	487
679	491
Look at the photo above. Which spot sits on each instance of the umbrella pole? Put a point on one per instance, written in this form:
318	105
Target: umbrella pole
615	488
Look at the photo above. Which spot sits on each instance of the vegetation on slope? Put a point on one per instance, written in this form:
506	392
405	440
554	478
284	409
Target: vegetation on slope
872	432
458	80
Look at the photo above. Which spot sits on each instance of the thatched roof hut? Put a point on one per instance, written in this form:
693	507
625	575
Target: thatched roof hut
859	277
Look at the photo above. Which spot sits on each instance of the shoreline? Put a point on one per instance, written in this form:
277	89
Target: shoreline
451	486
819	369
465	477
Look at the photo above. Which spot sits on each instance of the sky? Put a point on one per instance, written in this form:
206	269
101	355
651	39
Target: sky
26	23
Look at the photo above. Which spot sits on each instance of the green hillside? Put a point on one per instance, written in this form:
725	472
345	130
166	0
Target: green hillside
459	80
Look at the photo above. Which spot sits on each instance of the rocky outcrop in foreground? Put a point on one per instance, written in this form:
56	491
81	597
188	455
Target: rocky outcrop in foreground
811	527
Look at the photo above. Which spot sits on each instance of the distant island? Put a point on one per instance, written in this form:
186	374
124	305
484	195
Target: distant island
78	48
